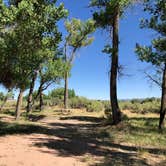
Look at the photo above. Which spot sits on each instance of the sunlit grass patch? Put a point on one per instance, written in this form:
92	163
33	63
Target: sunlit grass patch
139	132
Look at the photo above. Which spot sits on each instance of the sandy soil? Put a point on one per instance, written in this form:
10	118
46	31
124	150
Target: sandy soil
69	141
18	150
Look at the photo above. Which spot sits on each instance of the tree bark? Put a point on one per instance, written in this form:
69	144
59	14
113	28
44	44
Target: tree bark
163	100
19	103
30	96
40	95
66	92
41	100
116	114
5	100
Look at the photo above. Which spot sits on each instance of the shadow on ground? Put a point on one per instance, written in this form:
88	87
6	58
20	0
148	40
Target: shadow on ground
35	118
84	118
8	112
79	140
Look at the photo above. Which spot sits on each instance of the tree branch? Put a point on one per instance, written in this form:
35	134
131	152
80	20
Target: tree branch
153	80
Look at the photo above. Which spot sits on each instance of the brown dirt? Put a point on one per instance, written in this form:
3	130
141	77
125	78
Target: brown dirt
20	150
68	141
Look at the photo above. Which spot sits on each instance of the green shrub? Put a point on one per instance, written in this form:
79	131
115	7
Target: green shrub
59	93
149	105
78	102
95	106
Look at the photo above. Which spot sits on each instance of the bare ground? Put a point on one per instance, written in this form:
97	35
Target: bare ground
69	141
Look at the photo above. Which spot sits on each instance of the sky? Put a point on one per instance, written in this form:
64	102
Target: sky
90	72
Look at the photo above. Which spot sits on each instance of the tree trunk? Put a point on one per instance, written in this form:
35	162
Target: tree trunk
41	100
163	101
5	100
30	96
116	114
19	103
66	91
40	95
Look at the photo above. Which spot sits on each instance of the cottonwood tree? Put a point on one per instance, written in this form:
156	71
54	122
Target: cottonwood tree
9	40
78	36
29	37
107	16
156	53
51	72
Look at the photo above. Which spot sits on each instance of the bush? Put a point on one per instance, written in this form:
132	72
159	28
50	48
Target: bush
95	106
59	93
149	105
78	102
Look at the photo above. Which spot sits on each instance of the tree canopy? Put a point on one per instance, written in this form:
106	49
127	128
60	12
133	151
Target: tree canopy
29	37
156	52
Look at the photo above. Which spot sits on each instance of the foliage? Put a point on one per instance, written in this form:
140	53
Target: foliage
52	71
78	102
28	38
155	53
148	105
95	106
2	96
78	34
89	105
59	93
105	11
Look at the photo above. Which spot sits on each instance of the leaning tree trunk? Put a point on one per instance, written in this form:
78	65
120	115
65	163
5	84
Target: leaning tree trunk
163	101
30	96
116	114
19	103
66	92
5	100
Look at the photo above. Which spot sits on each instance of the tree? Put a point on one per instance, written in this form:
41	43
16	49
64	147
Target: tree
51	72
29	37
107	16
156	53
78	37
59	93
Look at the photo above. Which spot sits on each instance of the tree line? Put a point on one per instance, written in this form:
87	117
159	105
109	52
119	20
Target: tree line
30	46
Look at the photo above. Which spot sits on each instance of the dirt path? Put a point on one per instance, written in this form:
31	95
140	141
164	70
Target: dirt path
32	149
69	141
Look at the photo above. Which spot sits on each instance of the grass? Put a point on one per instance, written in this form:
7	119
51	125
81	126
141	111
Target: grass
139	131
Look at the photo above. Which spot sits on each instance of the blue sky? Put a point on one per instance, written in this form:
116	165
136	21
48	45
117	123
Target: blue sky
90	76
90	71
